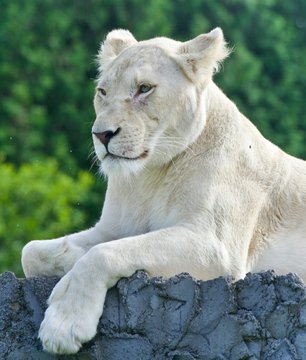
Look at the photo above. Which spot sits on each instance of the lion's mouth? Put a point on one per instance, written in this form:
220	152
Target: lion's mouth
113	156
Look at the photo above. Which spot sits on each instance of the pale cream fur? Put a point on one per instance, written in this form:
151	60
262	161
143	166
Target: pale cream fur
192	186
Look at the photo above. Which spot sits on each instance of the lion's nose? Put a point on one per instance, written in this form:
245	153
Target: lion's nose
105	136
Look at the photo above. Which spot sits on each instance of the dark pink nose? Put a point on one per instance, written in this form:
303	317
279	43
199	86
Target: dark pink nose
105	136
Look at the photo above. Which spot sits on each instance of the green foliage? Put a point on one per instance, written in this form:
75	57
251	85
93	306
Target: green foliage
47	72
38	202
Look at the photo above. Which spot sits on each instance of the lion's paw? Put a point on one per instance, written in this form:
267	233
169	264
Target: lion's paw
72	317
64	332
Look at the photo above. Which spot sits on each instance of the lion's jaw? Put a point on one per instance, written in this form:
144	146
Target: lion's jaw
148	101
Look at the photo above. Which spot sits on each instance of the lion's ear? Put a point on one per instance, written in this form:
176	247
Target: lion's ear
115	42
201	56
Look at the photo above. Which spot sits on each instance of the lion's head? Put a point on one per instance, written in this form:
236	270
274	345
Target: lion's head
149	99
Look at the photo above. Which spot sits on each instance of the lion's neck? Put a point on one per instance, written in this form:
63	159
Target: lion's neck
220	110
216	98
222	119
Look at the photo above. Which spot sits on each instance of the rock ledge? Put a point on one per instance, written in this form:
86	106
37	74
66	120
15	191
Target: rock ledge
260	317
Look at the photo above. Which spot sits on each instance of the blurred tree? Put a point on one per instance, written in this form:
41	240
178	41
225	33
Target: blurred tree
39	202
46	85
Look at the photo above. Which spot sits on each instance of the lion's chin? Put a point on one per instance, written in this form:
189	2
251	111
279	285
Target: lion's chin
122	158
121	167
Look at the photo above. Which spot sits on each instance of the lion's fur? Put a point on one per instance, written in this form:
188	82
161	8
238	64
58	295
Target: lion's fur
208	195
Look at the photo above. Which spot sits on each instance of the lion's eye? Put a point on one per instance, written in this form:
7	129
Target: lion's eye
101	91
144	88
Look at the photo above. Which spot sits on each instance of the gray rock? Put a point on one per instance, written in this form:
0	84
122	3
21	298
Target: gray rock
260	317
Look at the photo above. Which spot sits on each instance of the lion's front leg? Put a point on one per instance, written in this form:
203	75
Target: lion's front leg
76	302
49	257
75	306
56	257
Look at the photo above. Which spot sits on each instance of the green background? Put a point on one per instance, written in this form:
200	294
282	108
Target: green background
47	70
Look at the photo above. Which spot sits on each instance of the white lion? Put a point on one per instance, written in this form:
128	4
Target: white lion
192	186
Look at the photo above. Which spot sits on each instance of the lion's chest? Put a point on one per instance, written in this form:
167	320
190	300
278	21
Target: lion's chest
145	211
162	216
